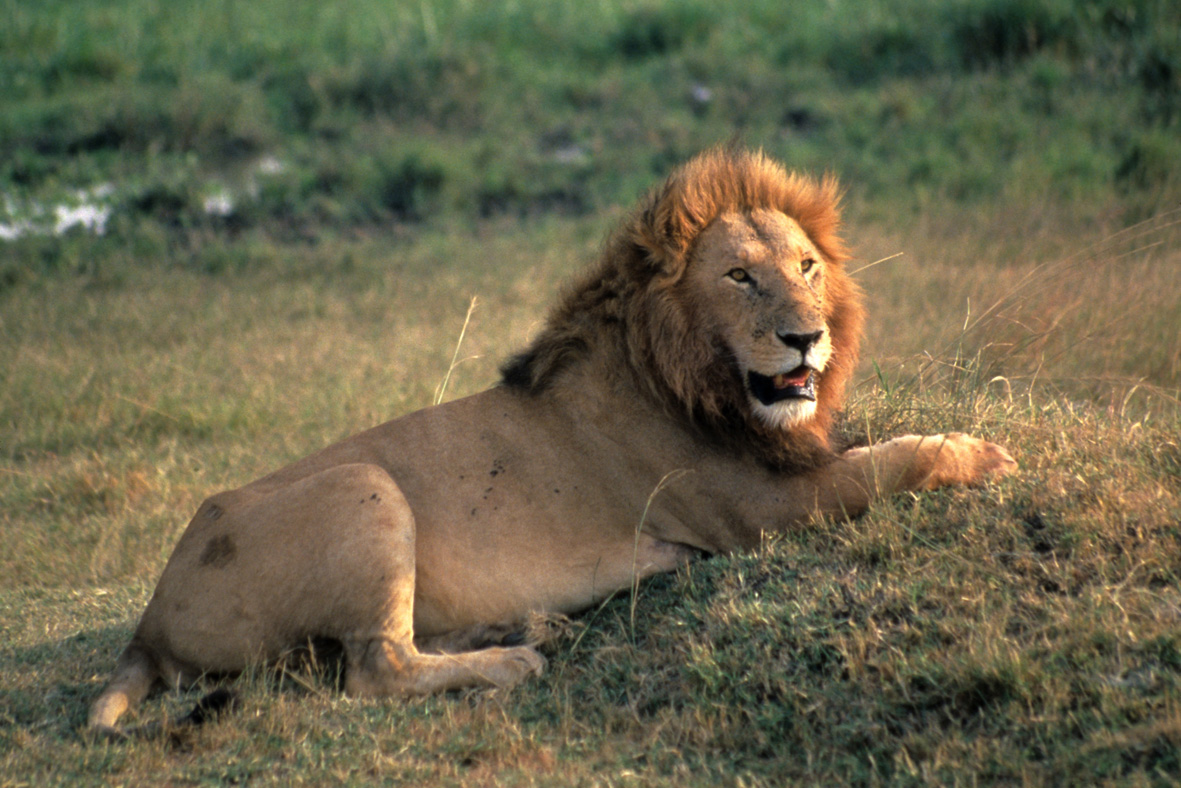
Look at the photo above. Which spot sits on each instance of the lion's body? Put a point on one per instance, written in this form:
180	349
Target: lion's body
678	402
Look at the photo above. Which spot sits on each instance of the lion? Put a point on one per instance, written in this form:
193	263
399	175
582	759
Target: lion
678	402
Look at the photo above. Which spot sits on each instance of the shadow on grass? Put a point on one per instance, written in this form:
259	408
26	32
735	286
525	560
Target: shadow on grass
55	682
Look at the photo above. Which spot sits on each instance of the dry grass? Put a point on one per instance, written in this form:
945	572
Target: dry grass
1094	319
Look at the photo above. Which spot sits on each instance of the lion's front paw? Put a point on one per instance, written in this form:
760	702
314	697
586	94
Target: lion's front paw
962	459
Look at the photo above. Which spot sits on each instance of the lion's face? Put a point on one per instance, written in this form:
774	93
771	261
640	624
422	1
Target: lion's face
725	299
757	283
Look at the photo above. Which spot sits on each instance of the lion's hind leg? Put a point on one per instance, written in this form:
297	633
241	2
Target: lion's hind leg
379	666
359	584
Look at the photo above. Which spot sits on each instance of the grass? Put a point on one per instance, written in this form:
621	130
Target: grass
358	113
1010	162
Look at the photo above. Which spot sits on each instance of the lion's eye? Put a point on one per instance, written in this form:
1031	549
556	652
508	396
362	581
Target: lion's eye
738	274
807	265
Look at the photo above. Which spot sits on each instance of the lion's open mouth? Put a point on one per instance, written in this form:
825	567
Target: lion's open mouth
796	384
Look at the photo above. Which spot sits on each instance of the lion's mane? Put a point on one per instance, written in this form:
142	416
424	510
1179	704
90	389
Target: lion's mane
631	299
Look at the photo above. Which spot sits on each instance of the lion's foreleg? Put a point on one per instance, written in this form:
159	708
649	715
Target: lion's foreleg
912	462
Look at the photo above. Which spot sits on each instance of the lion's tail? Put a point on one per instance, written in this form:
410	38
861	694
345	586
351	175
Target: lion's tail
134	676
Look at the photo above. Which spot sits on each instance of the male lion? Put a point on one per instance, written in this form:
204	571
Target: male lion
715	337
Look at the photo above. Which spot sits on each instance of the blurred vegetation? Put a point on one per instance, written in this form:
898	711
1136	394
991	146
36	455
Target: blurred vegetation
317	117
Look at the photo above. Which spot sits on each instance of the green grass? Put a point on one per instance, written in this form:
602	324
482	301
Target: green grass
381	112
387	162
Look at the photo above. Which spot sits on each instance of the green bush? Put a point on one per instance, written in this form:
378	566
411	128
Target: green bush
541	108
1002	32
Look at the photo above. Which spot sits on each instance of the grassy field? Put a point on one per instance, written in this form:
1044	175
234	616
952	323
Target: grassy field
298	202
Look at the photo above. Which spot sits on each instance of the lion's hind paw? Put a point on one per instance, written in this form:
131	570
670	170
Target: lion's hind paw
511	666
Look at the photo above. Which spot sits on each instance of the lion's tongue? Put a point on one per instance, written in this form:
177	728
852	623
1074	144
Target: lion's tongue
795	378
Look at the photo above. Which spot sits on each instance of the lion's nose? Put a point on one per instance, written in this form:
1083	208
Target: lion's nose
801	342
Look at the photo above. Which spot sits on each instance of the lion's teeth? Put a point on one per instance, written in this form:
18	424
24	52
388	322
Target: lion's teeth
779	381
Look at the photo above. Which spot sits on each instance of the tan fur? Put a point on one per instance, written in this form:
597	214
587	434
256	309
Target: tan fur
418	540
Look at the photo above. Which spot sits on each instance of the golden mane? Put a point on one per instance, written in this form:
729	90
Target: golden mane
630	299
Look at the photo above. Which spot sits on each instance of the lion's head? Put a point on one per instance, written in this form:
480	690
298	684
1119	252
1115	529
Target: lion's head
726	300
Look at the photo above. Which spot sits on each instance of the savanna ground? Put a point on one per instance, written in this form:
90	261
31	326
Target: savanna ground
299	201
